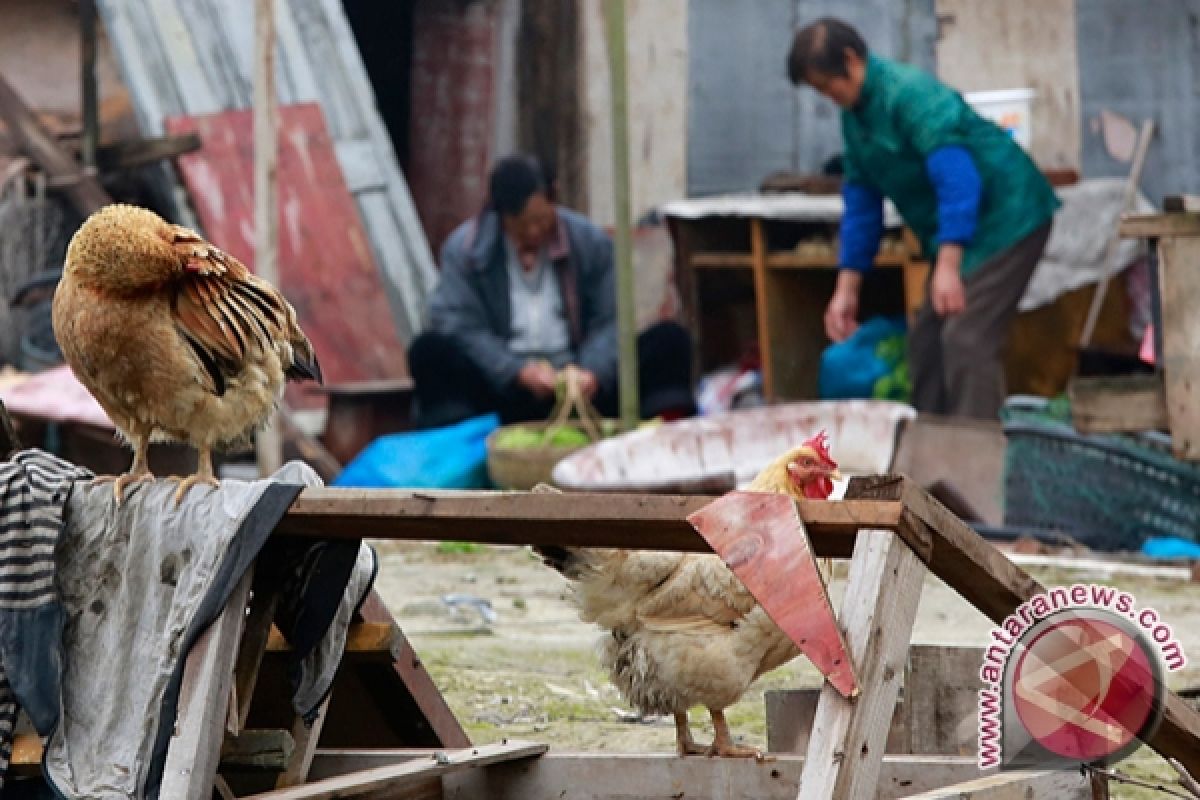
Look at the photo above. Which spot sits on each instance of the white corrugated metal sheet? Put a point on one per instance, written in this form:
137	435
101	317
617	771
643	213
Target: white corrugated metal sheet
196	57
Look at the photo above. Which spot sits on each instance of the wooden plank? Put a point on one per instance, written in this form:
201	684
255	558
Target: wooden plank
90	95
268	749
1056	784
416	679
254	642
722	261
621	776
790	716
1179	282
1146	226
979	572
758	263
397	777
326	265
376	639
139	152
635	521
306	734
194	751
1117	404
941	699
85	193
878	611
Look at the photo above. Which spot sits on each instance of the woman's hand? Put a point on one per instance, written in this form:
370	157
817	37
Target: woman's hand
841	315
947	294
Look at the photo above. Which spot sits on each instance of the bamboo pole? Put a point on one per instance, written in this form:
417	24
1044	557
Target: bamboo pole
90	111
269	442
626	322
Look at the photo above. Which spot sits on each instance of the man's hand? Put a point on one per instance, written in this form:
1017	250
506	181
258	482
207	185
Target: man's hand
538	377
841	315
586	380
946	291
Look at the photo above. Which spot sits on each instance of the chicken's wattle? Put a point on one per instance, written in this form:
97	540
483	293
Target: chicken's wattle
819	488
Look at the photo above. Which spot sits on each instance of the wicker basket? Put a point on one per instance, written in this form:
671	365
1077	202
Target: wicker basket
1107	492
526	467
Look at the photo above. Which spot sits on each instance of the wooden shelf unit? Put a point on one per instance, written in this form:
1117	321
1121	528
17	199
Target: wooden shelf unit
742	280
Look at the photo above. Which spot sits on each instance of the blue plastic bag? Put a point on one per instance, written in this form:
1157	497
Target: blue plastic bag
870	363
454	457
1170	548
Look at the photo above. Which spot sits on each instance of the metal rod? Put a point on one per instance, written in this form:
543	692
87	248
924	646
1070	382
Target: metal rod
90	111
269	442
626	322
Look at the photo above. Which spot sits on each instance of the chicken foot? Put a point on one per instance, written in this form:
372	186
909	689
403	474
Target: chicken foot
139	471
203	474
723	740
685	745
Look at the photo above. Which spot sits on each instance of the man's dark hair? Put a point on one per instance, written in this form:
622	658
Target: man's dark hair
821	47
513	181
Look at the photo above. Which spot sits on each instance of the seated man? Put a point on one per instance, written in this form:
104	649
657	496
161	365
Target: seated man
527	288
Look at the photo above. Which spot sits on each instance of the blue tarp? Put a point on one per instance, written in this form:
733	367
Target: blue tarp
454	457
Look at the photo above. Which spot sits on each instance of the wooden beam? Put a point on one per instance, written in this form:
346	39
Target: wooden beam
363	640
1118	404
415	771
306	735
266	749
132	153
620	776
417	680
1179	287
1057	784
86	193
1151	226
257	632
640	522
979	572
195	749
89	94
848	738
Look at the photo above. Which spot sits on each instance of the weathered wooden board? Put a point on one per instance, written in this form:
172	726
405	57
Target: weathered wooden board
1116	404
640	522
1179	285
941	699
326	267
879	608
1056	784
611	776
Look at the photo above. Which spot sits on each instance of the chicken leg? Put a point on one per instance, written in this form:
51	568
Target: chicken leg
203	474
139	471
723	741
685	745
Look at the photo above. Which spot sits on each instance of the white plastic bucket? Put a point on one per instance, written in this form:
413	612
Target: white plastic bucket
1011	109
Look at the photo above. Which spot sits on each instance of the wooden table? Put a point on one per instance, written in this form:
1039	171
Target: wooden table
762	268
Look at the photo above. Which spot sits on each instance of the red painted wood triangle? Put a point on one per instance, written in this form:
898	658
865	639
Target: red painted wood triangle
762	538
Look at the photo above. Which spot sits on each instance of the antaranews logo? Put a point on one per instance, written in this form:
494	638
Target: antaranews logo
1074	675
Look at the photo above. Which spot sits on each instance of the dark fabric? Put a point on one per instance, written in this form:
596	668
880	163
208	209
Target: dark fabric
450	388
471	302
34	486
956	363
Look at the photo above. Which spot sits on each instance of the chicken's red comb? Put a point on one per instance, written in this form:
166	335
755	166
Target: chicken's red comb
820	446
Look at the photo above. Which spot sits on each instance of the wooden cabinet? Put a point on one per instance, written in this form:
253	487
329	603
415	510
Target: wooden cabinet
763	270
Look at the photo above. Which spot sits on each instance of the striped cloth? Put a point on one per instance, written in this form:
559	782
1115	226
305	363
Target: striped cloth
33	492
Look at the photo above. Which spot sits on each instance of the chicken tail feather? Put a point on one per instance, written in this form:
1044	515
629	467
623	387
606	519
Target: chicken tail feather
305	368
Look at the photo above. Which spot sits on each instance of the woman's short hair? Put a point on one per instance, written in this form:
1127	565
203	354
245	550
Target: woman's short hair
821	47
513	181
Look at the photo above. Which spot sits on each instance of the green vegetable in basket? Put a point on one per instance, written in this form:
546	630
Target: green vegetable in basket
518	438
566	436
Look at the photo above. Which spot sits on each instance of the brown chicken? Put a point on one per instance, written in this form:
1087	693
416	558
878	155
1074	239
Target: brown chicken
684	630
176	339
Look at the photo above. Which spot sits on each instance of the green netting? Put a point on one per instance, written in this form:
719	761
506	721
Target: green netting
1108	492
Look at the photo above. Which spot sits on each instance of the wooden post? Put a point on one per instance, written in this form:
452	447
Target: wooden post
1179	258
91	115
266	202
845	751
758	263
623	250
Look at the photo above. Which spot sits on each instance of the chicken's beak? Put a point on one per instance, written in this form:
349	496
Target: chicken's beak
835	475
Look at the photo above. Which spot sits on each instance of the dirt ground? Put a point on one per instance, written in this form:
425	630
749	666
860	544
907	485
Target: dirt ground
497	632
